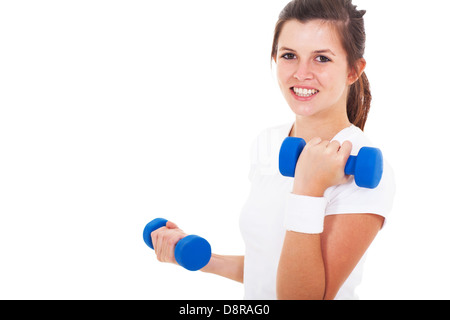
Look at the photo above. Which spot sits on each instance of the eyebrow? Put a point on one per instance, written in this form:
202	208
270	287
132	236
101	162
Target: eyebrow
325	51
316	51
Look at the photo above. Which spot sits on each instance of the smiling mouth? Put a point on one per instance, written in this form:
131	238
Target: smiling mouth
305	93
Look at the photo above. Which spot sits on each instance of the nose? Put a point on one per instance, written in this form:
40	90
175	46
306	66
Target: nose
303	71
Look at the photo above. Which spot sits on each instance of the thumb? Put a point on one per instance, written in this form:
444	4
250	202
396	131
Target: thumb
346	179
171	225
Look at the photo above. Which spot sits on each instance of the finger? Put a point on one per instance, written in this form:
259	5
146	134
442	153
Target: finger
324	143
333	146
168	251
164	249
346	149
172	244
314	141
171	225
159	245
346	179
154	237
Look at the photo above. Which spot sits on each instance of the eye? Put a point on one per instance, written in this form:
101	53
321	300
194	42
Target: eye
288	56
322	59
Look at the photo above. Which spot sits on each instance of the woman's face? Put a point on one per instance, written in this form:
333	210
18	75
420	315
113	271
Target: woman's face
312	68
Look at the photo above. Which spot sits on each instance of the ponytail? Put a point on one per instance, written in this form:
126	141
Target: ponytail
358	101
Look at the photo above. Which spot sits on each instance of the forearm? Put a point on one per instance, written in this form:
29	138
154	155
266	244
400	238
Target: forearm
301	272
231	267
301	269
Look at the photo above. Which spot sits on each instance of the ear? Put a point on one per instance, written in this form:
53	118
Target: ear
356	72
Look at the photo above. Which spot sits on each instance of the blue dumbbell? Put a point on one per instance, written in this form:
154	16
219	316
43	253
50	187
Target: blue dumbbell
192	252
367	166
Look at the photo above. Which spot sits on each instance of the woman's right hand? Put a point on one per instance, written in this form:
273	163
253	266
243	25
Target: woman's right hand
164	241
320	166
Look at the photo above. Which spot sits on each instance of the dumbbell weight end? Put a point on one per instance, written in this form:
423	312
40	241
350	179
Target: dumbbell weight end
367	167
193	252
150	227
288	156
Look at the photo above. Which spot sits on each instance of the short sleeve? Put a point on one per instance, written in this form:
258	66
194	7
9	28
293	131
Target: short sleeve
349	198
265	149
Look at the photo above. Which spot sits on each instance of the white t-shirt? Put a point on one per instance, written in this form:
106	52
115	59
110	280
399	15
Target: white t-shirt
262	216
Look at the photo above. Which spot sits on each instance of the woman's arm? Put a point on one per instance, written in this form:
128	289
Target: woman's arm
314	266
231	267
345	239
165	239
301	271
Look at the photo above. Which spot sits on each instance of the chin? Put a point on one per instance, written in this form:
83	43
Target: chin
304	110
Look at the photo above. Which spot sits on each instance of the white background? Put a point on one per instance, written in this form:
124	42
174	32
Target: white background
113	113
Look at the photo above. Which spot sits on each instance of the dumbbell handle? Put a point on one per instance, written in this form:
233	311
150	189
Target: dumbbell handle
192	252
350	165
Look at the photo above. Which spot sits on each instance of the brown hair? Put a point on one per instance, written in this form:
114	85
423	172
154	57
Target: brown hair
349	24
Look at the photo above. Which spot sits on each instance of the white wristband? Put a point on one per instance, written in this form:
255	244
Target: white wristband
305	214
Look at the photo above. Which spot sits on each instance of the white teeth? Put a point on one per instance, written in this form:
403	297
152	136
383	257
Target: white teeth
305	92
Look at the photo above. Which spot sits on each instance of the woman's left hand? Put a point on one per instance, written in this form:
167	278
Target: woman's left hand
320	166
164	241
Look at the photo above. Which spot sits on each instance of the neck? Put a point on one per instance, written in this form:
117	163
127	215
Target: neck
308	127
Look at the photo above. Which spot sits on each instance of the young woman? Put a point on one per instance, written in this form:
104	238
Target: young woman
306	237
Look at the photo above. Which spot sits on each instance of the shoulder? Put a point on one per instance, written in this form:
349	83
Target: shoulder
356	136
273	133
349	198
